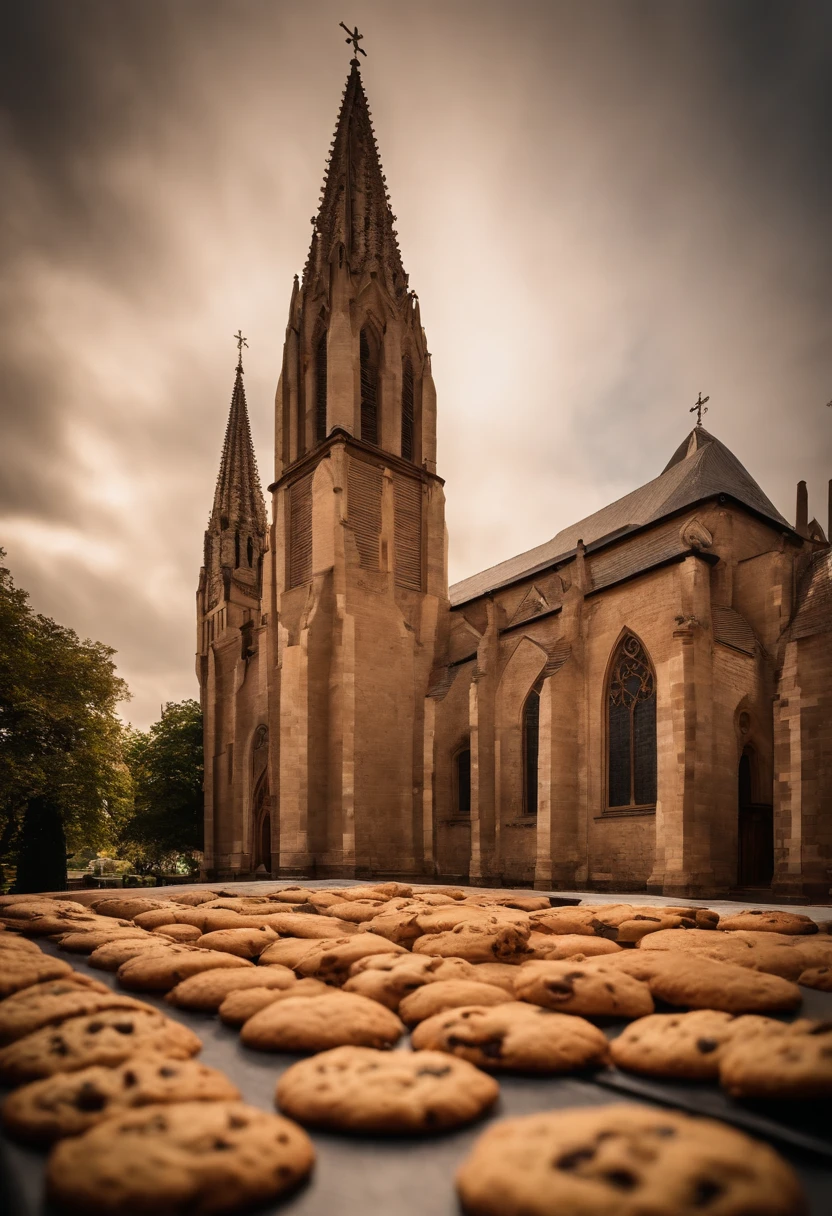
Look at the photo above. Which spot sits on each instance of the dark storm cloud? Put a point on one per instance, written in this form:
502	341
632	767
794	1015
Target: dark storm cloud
604	207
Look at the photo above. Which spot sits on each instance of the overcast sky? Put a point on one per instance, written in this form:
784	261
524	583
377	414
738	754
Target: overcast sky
605	207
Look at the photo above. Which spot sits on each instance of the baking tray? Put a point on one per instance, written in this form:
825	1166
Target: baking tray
409	1176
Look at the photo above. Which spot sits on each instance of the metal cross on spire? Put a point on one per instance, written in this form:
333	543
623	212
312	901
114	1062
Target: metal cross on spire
241	342
700	408
354	38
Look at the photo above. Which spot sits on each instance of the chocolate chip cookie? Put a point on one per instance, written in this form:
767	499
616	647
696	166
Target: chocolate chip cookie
152	972
590	989
795	1064
56	1000
686	1045
207	990
430	999
319	1022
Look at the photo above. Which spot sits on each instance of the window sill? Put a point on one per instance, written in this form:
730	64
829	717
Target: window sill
625	812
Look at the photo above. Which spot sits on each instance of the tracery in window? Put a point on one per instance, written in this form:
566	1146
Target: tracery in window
631	728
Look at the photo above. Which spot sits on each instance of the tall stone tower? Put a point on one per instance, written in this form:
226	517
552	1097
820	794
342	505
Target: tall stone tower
228	622
357	567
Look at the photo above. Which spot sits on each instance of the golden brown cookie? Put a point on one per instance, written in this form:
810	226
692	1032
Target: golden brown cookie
316	1023
152	972
684	1045
769	922
66	1104
703	983
111	955
360	1089
245	943
331	961
476	942
435	998
388	978
56	1000
794	1065
19	970
624	1160
288	951
207	990
589	989
203	1158
177	933
819	978
243	1003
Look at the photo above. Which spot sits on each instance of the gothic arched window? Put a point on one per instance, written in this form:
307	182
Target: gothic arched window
407	408
631	728
369	388
531	750
320	389
462	763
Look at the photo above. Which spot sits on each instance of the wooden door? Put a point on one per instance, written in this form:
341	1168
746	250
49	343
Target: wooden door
755	837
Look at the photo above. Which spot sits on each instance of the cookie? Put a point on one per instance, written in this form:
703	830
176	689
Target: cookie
55	1001
357	911
624	1159
794	1065
14	942
152	972
703	983
207	990
177	933
67	1104
125	907
769	922
316	1023
206	1158
567	945
445	919
435	998
582	921
390	983
318	928
19	970
360	1089
819	978
502	975
331	961
243	1003
84	942
288	951
107	1038
514	1037
685	1045
111	955
192	898
401	928
476	943
590	989
245	943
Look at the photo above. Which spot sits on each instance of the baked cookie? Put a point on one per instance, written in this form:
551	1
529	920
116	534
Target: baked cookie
71	1102
446	918
686	1045
357	911
435	998
13	941
84	942
318	928
55	1001
401	928
191	898
502	975
331	961
207	990
398	975
795	1064
582	920
624	1159
591	989
245	943
20	970
111	955
819	978
704	983
316	1023
125	907
769	922
152	972
107	1038
360	1089
476	942
177	933
514	1037
288	951
206	1158
243	1003
567	945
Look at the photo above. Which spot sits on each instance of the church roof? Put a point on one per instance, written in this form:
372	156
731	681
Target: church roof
814	599
700	468
355	207
238	498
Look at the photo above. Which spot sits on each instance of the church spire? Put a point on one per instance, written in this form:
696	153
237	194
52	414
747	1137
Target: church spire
354	208
238	497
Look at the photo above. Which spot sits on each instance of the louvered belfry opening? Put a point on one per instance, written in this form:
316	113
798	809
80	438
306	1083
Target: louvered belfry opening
531	751
369	389
300	531
631	728
407	408
320	389
407	498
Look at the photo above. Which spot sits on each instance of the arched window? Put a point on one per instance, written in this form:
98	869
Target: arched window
369	388
462	762
407	408
631	728
320	389
531	751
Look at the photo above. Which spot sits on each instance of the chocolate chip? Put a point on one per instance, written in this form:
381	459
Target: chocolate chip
89	1098
220	1145
94	1027
123	1027
706	1191
622	1179
657	919
664	1131
571	1161
130	1079
821	1028
167	1071
237	1121
706	1046
58	1047
430	1117
433	1072
560	988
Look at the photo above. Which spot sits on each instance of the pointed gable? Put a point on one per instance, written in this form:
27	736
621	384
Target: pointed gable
238	498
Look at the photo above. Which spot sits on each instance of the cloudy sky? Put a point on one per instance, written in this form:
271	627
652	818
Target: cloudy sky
605	206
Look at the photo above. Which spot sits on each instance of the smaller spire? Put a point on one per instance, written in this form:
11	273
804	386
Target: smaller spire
238	497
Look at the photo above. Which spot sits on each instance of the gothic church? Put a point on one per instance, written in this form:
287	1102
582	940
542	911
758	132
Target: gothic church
643	703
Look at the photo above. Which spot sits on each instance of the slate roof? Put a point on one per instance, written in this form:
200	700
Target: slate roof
700	468
732	629
814	601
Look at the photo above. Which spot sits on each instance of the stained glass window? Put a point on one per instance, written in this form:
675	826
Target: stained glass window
631	728
531	750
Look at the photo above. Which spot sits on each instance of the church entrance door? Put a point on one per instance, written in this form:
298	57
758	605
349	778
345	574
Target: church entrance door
755	837
262	825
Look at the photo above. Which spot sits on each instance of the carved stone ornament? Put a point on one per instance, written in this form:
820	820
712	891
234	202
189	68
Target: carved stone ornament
695	535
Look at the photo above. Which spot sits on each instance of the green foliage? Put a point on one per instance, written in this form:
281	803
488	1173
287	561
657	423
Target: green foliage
165	830
60	736
41	856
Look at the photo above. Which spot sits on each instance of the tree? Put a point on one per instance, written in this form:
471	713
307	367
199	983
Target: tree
166	768
60	736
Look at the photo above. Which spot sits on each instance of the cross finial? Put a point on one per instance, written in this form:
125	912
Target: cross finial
354	38
241	342
700	408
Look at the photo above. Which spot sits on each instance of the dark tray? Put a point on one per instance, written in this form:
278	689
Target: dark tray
414	1177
